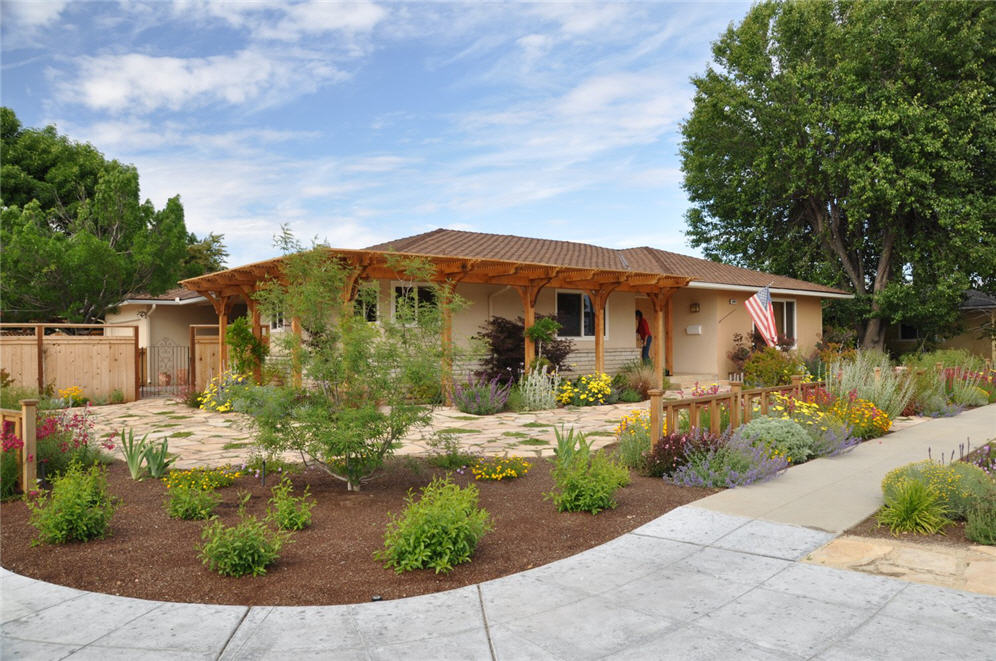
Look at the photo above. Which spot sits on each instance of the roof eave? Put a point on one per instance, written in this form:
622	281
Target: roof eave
699	284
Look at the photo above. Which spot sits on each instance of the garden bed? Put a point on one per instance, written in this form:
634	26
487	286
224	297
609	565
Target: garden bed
151	556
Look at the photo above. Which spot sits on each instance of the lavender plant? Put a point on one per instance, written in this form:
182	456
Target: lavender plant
481	397
733	461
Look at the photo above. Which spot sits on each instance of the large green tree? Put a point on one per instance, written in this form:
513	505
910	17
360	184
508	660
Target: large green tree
76	238
852	144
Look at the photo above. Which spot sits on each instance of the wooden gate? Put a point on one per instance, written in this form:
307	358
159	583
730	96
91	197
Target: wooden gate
203	354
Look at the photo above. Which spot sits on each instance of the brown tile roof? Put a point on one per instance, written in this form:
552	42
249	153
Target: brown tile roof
455	243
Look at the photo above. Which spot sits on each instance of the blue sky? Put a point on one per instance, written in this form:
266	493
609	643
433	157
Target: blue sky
362	122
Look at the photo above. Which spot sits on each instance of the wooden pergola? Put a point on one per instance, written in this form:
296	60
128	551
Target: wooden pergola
223	288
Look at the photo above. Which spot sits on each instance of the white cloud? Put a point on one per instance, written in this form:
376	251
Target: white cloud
317	17
137	82
33	14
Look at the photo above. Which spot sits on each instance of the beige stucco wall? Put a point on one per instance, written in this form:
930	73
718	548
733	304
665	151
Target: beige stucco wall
969	340
694	353
128	314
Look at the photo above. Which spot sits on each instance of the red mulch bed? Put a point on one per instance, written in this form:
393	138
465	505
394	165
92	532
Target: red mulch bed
151	556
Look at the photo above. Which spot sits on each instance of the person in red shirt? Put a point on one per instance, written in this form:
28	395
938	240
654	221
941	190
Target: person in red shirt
643	330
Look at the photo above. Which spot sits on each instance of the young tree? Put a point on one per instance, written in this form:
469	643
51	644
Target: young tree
853	144
76	239
364	384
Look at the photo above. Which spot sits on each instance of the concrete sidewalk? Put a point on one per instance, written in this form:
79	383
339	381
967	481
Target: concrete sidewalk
714	580
836	493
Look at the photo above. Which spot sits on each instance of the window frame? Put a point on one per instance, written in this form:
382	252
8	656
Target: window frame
795	317
582	336
394	297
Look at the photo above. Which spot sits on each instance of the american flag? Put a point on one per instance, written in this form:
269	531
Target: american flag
763	314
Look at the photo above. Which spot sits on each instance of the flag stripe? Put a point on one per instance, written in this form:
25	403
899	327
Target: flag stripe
763	313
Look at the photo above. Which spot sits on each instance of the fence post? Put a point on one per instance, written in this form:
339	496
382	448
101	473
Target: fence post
40	349
29	453
797	386
655	416
735	405
878	375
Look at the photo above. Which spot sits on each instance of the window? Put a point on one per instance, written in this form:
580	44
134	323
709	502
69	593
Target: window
366	309
409	300
278	322
785	318
576	315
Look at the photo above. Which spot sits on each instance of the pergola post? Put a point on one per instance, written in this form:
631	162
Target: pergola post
257	332
296	357
669	333
528	295
447	342
599	297
657	331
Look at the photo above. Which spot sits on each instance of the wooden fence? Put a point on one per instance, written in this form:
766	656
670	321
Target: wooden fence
23	425
740	406
98	358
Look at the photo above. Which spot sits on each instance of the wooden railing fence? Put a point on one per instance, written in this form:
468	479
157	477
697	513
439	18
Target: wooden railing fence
739	404
23	424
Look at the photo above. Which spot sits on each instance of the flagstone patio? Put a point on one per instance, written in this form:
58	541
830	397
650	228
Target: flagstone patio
204	438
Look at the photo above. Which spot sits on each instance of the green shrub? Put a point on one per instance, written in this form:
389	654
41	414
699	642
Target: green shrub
439	531
890	392
588	486
782	436
190	503
248	547
79	507
947	358
980	525
288	511
633	434
769	367
958	485
913	506
585	481
447	451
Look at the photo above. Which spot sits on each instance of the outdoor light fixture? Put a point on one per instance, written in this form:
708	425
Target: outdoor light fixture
733	301
694	307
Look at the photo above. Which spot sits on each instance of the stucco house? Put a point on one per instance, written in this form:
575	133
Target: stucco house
166	324
695	306
978	319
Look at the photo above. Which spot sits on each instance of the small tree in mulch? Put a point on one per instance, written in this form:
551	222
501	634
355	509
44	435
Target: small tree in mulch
366	385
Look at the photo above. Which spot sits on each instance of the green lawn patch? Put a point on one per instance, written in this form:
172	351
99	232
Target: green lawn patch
532	441
515	434
234	446
599	433
535	425
180	417
182	434
459	430
464	417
